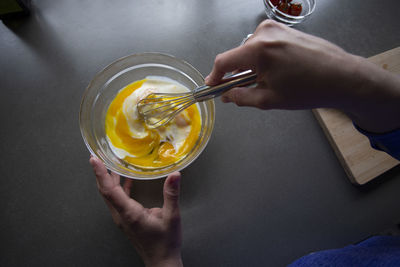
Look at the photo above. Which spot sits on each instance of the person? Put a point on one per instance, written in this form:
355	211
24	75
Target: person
294	71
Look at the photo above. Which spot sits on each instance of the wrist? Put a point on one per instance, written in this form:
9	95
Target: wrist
172	260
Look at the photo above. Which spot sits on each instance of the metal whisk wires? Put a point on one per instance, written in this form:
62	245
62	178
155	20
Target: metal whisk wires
157	109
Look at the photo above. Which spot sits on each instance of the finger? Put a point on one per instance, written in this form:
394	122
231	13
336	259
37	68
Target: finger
237	58
114	213
127	186
110	188
103	178
171	194
253	97
116	177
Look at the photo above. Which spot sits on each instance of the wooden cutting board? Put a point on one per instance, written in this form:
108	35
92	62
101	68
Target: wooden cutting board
361	162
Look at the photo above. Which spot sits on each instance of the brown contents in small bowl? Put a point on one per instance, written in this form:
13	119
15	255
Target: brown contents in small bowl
287	7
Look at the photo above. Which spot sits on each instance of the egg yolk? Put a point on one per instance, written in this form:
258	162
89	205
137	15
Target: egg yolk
151	148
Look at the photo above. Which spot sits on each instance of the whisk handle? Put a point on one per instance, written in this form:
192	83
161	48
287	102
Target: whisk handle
206	92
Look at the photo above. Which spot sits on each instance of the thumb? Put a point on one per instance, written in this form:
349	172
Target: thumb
171	194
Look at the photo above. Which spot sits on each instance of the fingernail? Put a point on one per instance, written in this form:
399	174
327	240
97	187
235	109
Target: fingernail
225	99
207	78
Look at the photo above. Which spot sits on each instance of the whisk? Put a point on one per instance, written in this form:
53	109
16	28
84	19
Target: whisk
157	109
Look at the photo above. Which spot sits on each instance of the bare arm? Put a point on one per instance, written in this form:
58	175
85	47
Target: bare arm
299	71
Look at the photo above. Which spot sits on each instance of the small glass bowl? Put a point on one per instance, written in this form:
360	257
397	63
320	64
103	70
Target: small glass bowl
274	13
105	86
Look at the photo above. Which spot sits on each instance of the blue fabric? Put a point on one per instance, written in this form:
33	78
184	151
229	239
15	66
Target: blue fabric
388	142
375	251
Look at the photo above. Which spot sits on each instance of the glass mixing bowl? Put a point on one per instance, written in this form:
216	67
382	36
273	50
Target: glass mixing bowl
105	86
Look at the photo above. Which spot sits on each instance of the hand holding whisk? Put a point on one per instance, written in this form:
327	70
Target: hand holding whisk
157	109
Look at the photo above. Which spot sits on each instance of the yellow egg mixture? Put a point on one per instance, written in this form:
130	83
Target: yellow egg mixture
130	138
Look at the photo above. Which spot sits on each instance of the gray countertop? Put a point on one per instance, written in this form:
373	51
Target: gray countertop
267	189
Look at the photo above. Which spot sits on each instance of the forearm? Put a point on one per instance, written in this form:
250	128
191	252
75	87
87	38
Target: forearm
375	102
